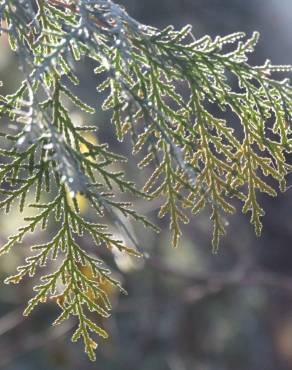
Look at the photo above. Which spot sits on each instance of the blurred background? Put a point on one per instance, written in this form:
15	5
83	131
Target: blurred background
187	309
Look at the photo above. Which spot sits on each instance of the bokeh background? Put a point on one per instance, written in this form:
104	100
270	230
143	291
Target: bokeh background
187	309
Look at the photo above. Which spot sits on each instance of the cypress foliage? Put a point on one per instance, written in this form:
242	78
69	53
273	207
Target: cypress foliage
161	88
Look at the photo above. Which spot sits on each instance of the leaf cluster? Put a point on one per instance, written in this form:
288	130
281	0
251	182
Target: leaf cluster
161	87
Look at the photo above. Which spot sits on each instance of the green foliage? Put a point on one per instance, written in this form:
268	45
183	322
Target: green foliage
162	87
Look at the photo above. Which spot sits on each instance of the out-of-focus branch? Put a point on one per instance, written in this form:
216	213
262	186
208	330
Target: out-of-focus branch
11	320
206	283
33	341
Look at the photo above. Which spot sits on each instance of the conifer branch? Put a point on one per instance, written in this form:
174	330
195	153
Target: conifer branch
198	161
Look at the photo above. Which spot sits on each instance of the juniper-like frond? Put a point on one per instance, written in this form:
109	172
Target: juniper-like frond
162	87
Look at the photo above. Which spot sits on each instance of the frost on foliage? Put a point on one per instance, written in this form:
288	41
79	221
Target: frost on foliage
161	88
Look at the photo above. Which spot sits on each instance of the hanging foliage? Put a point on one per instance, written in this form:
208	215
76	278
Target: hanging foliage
162	87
